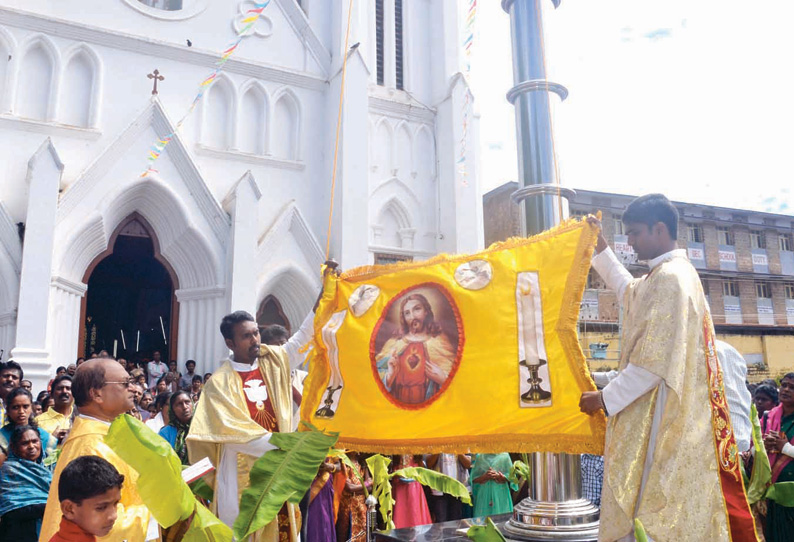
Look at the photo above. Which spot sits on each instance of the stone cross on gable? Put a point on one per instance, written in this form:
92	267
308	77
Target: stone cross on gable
157	77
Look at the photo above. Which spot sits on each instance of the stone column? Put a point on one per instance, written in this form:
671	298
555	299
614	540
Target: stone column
242	205
64	327
200	313
44	176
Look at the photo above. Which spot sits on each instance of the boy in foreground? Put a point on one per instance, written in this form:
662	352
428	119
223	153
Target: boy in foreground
89	490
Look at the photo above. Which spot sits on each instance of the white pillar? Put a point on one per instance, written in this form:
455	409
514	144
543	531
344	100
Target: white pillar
200	313
64	324
242	205
8	324
31	351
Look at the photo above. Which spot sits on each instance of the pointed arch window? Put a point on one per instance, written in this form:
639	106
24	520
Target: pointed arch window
35	85
252	126
218	116
78	91
286	133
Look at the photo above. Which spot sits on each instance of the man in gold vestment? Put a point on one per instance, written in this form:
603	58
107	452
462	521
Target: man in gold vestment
101	393
245	401
670	455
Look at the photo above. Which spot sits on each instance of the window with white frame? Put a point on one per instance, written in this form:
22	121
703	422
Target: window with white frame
725	236
763	290
618	225
757	240
789	287
784	241
694	233
730	288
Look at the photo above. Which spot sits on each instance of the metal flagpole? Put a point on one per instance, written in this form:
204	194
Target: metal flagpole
555	509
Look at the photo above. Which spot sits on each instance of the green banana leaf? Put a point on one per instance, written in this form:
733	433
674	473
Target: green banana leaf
281	475
381	486
342	456
782	493
639	531
160	484
202	489
485	533
518	472
435	480
761	476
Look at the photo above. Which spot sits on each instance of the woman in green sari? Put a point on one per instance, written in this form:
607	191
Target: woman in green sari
778	428
490	486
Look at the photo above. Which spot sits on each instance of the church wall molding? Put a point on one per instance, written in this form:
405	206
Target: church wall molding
302	27
410	111
154	116
258	159
69	286
207	292
50	128
293	287
291	100
9	238
9	43
155	48
291	220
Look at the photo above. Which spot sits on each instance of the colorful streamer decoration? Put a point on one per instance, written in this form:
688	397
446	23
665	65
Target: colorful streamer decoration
468	41
251	17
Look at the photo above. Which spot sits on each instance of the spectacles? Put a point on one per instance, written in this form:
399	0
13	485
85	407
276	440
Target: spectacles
125	383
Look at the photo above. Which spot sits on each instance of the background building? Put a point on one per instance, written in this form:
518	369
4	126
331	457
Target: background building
93	255
745	260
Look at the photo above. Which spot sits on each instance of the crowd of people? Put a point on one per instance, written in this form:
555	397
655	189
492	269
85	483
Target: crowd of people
667	408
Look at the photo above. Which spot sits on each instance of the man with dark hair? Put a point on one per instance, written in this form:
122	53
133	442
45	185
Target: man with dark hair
670	455
275	335
101	392
186	380
247	400
11	376
57	420
90	490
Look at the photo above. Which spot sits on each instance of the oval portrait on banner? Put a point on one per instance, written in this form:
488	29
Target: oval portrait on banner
416	345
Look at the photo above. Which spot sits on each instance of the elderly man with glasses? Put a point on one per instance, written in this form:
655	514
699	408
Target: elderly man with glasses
101	391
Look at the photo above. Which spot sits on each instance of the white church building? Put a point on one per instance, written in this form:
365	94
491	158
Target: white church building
93	255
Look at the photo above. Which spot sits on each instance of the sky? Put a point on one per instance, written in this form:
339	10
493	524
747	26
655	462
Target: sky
689	98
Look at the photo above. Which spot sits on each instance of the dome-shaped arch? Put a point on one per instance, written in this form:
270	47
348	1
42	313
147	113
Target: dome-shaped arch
36	74
219	114
81	87
293	287
286	115
253	118
185	249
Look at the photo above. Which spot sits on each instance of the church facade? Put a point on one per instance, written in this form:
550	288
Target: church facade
95	255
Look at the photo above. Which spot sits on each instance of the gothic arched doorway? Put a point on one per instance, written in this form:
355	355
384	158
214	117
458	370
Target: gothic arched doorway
270	313
129	307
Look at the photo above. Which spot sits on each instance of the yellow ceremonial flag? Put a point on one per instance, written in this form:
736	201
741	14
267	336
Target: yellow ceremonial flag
462	353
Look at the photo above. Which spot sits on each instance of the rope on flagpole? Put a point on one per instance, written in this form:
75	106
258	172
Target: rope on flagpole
338	128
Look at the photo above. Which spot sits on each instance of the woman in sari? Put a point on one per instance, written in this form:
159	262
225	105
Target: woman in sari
25	482
19	411
490	486
179	417
352	518
778	429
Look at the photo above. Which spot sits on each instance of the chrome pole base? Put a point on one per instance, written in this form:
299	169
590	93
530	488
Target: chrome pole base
555	509
569	521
